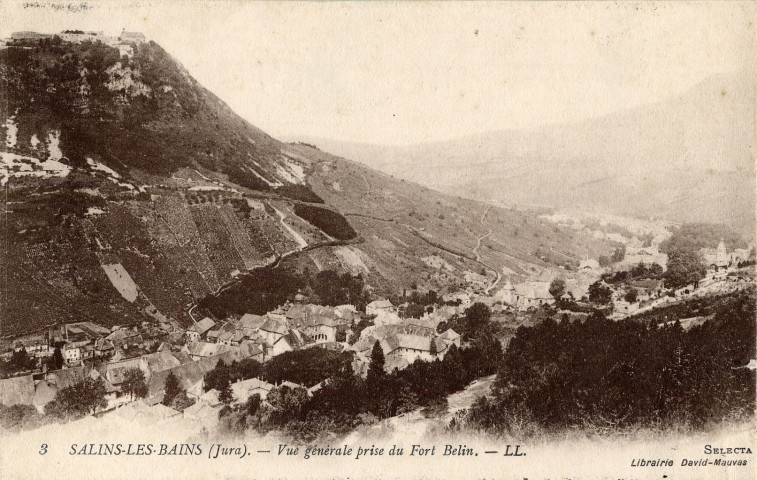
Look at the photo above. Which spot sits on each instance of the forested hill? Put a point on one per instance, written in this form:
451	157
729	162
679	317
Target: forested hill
612	376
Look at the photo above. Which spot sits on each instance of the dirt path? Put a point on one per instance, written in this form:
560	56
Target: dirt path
478	256
464	398
478	245
297	237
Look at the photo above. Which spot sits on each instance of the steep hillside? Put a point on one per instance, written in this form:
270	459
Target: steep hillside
416	236
131	193
140	115
689	159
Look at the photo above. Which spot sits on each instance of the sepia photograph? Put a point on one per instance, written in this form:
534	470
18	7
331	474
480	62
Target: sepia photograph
377	240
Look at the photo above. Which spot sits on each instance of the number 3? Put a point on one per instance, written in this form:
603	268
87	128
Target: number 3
43	449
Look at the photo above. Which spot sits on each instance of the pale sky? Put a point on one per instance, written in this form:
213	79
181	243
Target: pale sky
399	73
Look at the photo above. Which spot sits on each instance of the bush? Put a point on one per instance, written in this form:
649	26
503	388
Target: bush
299	192
19	417
306	367
329	221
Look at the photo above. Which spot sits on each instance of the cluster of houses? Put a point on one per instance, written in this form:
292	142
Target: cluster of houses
84	342
297	326
96	352
291	327
40	389
123	41
404	340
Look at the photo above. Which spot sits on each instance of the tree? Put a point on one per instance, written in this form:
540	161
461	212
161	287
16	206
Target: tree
557	288
376	366
218	377
19	417
357	330
134	383
248	368
599	293
181	402
171	389
341	335
685	266
253	404
78	400
20	361
414	310
432	349
288	402
57	359
226	395
305	367
476	321
631	296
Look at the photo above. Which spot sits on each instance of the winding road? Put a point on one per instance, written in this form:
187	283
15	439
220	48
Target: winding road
478	257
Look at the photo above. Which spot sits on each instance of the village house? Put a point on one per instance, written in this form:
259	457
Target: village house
450	337
411	347
46	388
380	306
131	37
225	338
125	337
292	340
36	346
462	298
200	329
249	324
272	331
71	354
739	255
506	294
143	413
589	265
425	326
532	294
198	350
643	255
204	413
253	350
323	329
190	376
26	35
647	288
244	389
104	348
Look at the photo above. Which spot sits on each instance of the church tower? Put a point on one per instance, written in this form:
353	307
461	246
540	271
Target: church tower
722	255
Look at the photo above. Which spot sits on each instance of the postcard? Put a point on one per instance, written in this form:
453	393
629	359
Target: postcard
377	240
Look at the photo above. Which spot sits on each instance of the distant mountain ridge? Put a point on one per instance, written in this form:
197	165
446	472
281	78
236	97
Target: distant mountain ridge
690	158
